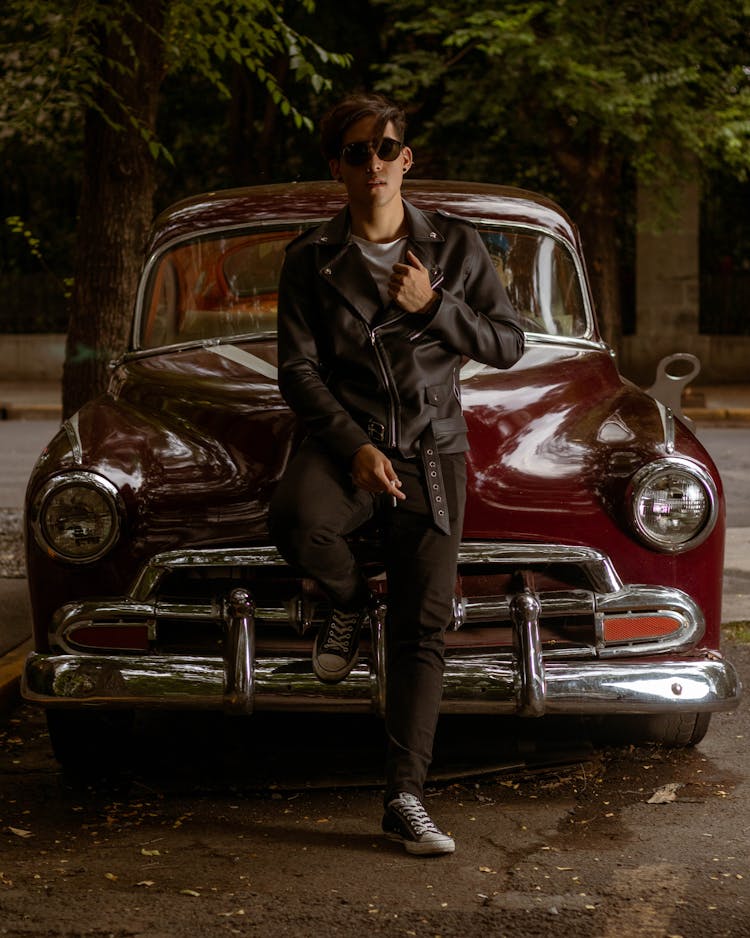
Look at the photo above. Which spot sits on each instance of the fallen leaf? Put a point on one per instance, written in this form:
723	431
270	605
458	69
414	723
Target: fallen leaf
486	869
19	832
145	882
190	892
149	853
111	877
666	794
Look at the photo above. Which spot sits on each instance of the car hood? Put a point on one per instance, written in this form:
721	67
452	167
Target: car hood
196	439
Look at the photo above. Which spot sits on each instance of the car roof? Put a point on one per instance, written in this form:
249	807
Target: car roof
309	201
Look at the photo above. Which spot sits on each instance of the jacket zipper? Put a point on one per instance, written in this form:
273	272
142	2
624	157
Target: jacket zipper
380	355
434	284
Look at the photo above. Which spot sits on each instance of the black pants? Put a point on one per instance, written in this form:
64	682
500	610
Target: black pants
313	509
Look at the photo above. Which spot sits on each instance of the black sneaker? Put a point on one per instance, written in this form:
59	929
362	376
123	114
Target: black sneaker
406	820
337	645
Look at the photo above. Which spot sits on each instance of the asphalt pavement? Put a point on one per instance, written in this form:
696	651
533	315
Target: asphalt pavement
33	410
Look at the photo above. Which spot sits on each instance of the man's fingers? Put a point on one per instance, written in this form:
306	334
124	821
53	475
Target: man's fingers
414	261
391	482
394	489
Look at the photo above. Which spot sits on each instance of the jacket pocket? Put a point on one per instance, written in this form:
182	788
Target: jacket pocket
437	394
451	434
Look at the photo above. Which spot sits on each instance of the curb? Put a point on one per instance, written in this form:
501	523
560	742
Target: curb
733	415
11	666
30	412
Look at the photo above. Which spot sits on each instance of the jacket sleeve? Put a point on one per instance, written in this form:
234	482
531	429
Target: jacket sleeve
483	325
301	379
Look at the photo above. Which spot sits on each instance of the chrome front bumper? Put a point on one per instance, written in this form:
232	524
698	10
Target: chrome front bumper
524	682
475	684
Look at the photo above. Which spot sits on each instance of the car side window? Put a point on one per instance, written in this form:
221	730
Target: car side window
541	279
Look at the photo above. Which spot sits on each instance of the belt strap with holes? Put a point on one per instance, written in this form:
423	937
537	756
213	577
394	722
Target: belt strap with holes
434	479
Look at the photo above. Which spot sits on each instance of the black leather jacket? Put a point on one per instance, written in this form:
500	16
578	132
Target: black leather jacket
356	372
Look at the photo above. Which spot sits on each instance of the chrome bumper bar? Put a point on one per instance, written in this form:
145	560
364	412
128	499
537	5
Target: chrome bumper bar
476	684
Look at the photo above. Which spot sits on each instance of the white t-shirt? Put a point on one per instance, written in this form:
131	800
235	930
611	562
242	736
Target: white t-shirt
380	259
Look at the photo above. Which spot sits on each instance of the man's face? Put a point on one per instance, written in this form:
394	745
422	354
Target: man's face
376	182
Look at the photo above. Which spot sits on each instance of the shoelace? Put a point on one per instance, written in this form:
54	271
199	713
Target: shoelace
413	810
340	631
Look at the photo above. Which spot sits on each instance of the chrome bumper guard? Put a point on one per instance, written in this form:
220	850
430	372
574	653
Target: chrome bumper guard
526	682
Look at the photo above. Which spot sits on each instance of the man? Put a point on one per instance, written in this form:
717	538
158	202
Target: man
376	309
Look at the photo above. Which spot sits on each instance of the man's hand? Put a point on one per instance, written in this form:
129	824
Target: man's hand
374	472
409	286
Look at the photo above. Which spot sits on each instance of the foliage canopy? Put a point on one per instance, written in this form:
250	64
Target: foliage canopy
53	59
650	81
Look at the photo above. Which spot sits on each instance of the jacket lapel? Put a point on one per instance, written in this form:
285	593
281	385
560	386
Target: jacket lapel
345	269
423	238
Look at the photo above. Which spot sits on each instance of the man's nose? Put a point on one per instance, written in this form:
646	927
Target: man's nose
374	162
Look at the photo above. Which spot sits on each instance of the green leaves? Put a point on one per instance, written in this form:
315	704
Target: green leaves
632	74
17	225
52	65
252	34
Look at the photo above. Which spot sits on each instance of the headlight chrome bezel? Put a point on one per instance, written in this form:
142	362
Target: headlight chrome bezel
646	476
104	489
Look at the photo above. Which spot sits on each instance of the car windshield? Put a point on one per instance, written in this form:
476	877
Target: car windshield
224	285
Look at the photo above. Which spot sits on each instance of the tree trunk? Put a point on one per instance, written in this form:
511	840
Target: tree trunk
600	245
252	153
116	199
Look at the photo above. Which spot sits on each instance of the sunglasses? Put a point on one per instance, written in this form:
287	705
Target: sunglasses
358	153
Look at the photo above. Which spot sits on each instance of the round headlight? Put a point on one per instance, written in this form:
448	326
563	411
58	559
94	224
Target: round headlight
673	504
76	517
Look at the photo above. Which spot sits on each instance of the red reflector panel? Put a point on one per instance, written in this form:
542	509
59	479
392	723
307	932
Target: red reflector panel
120	637
624	628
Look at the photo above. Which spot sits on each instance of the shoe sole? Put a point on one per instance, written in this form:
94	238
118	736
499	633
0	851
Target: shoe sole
422	850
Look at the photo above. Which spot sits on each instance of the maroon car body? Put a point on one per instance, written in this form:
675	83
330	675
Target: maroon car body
592	558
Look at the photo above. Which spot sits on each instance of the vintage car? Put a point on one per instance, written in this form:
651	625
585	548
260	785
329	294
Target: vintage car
590	573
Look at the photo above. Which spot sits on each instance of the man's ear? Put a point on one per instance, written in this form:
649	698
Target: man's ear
335	167
407	158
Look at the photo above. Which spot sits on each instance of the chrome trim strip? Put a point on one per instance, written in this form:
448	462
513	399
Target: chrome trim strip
242	357
596	566
477	684
667	422
74	438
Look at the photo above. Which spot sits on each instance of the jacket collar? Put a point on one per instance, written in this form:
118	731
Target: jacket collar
346	270
337	230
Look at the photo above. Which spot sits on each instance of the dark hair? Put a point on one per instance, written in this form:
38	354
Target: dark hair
352	108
